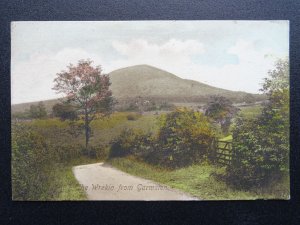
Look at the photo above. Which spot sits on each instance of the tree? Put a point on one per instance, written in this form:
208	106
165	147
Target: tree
276	87
87	89
221	110
262	144
64	111
38	111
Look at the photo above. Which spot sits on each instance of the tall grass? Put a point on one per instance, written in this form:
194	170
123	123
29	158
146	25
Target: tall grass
203	180
250	111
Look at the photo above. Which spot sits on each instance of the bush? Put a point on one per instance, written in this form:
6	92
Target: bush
185	137
31	159
128	142
64	111
262	144
259	156
38	111
133	116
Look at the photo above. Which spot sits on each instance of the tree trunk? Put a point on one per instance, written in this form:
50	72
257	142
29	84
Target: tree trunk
87	130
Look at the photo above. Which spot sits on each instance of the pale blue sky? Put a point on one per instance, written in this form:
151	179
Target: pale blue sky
235	55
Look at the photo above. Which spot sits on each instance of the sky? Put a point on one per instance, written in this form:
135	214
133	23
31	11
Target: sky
234	55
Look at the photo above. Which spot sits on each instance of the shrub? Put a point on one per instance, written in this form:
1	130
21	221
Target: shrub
133	116
258	156
38	111
185	137
261	144
134	142
222	111
31	159
64	111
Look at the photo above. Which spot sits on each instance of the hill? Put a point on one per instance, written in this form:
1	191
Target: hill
155	84
151	82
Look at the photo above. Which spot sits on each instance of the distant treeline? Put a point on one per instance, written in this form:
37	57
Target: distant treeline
168	101
139	103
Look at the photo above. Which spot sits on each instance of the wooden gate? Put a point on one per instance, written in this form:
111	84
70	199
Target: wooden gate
223	152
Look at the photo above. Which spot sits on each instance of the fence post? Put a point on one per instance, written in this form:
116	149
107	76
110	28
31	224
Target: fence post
214	150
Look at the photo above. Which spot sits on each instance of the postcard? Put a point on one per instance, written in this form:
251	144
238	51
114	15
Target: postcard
150	110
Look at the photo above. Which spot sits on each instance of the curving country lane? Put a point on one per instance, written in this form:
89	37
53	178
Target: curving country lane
103	182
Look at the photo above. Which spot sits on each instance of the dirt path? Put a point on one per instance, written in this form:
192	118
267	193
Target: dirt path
103	182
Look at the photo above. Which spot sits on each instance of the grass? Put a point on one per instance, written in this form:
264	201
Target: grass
250	111
68	187
200	181
103	129
227	138
49	123
106	130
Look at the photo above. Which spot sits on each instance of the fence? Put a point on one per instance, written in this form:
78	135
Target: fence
222	152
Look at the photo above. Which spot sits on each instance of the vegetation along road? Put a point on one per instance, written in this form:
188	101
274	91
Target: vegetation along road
103	182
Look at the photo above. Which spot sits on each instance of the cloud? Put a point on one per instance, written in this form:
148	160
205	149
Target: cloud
254	62
32	80
176	56
165	55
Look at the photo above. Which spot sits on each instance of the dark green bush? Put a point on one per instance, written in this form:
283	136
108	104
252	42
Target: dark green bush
261	144
37	152
64	111
259	156
31	160
126	143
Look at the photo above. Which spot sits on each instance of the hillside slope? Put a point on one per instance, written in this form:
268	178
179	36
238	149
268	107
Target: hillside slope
150	82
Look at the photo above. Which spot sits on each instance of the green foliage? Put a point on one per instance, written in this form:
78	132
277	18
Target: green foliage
130	141
184	137
221	110
64	111
258	156
30	158
262	144
38	111
39	149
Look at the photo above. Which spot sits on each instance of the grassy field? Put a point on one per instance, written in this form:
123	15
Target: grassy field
200	180
104	129
108	128
250	111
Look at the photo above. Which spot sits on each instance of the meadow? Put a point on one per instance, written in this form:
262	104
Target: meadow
203	180
59	146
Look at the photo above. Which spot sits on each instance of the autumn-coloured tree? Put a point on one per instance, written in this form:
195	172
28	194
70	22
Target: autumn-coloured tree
87	89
